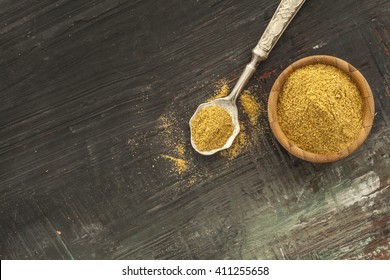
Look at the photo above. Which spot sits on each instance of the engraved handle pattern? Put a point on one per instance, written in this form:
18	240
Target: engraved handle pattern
283	15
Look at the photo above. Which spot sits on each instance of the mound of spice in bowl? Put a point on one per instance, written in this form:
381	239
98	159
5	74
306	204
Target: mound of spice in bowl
320	109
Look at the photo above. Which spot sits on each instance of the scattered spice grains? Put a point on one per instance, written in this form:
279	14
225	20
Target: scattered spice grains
221	90
180	164
172	136
180	149
320	109
238	145
177	154
211	128
165	123
251	106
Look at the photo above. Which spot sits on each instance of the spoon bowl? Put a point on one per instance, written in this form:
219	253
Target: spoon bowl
229	106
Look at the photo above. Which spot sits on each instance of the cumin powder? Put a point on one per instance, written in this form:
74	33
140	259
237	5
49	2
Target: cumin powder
221	91
179	163
211	128
238	145
251	107
320	109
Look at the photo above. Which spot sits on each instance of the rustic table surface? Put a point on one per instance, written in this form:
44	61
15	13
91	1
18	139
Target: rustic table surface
95	93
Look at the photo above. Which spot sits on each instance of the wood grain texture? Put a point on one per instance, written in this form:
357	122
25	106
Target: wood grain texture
82	87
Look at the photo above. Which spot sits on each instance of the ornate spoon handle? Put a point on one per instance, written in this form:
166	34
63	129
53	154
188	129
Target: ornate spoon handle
283	15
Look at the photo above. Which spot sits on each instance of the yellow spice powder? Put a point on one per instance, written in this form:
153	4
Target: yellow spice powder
320	109
221	91
251	107
172	139
180	164
211	128
180	149
239	143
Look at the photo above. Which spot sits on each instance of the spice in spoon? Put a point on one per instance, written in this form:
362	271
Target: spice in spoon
211	128
320	109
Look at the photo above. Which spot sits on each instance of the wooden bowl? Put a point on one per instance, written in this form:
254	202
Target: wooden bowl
368	108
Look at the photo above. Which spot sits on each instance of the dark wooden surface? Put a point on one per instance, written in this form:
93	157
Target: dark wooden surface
83	87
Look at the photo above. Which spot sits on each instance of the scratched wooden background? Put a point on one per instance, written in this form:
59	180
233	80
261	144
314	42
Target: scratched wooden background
83	87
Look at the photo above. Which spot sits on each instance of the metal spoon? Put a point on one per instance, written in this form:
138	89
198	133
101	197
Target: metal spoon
283	15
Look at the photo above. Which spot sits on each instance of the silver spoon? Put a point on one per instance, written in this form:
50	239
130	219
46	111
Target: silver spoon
283	15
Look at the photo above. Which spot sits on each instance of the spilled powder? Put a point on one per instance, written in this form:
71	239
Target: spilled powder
165	123
221	90
173	138
175	160
180	164
180	149
239	144
251	107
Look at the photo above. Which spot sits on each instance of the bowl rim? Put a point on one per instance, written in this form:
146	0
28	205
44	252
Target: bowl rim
365	92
